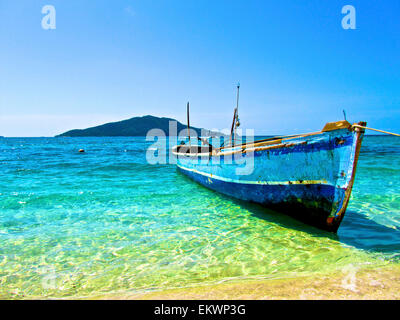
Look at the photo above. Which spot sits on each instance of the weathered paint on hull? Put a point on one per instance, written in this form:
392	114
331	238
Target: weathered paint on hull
310	178
310	203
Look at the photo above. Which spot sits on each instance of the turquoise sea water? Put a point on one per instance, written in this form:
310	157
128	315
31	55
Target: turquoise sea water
105	221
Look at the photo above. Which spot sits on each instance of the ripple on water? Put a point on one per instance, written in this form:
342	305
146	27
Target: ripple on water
73	225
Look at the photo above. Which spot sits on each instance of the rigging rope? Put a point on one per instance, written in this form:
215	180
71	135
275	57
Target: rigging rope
362	127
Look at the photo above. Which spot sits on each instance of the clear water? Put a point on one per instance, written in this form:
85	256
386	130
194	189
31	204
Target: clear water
78	225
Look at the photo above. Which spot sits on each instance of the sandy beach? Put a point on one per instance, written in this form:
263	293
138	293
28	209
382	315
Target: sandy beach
365	284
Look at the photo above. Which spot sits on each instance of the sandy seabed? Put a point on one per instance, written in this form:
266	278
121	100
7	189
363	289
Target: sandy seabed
380	283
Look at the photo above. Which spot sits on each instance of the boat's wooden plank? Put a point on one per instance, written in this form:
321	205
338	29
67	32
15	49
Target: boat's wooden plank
331	126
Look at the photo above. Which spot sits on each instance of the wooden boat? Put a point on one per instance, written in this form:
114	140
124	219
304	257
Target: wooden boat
308	176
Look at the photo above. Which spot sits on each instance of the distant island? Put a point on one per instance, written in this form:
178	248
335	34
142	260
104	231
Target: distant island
137	126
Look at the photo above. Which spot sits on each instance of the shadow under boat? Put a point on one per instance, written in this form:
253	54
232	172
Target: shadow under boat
356	229
361	232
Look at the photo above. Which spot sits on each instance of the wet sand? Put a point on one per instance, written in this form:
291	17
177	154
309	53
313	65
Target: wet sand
382	283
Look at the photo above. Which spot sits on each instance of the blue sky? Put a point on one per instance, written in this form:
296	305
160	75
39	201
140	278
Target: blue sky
111	60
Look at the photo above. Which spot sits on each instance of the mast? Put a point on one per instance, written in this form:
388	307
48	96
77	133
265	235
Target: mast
188	127
233	127
235	122
237	113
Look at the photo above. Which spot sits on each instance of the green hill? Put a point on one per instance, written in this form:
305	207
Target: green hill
138	126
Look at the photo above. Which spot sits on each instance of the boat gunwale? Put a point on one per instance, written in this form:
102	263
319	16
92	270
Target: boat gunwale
258	145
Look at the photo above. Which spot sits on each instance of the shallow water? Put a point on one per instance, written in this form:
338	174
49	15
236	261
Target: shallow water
75	225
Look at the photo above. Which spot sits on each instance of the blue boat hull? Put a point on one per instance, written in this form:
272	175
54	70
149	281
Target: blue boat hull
309	178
